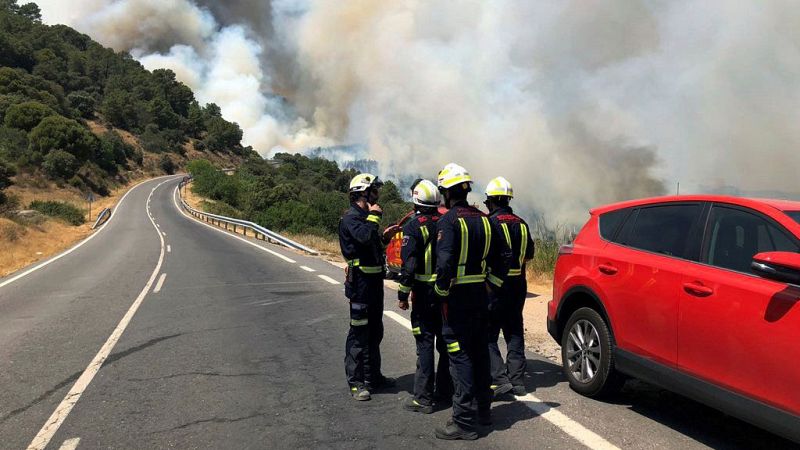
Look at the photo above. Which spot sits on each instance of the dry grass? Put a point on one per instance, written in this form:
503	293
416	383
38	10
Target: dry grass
327	246
21	246
194	200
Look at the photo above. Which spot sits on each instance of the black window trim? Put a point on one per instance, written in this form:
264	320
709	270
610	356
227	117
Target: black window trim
610	239
706	236
696	232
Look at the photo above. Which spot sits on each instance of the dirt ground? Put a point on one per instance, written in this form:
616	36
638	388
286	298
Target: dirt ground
540	291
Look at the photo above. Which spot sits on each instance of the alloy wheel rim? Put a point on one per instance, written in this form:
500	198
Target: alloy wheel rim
583	351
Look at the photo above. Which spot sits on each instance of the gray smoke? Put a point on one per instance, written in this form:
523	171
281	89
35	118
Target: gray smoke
577	103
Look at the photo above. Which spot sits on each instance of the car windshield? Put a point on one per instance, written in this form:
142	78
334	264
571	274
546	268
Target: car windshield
794	215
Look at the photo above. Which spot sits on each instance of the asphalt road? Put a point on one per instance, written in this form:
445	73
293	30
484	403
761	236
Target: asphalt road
240	348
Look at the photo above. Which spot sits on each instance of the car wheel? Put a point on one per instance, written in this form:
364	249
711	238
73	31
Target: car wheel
586	355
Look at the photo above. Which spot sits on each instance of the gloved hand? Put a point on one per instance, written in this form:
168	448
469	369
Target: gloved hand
390	232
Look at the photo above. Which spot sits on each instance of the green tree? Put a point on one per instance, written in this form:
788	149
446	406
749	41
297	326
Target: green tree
6	172
60	133
60	164
122	109
222	135
83	103
13	144
25	116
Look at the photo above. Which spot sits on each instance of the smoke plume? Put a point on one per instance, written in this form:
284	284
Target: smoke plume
576	103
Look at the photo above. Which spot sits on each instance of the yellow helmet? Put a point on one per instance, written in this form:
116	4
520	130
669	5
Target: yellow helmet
499	187
452	175
364	181
424	193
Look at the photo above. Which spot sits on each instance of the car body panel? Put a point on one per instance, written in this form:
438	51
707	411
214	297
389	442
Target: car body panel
734	332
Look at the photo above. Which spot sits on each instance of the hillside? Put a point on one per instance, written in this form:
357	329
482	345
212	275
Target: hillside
78	118
289	193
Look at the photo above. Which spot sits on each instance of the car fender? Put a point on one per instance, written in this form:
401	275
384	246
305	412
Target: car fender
587	289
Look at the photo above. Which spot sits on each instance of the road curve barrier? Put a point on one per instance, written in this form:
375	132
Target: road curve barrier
104	215
230	223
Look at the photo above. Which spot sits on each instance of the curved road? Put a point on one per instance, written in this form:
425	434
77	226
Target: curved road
161	331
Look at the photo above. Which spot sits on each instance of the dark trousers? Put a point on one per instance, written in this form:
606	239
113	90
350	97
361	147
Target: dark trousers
507	316
362	360
465	331
426	326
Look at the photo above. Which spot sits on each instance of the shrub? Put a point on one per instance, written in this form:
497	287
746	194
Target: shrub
60	210
83	103
25	116
6	172
59	164
167	165
60	133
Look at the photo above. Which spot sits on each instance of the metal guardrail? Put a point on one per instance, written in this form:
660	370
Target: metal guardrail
259	232
102	217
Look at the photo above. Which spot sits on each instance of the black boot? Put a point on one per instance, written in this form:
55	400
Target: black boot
360	393
382	383
411	404
452	432
500	389
485	418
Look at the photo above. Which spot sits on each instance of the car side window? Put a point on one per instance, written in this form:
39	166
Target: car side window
735	236
610	222
664	229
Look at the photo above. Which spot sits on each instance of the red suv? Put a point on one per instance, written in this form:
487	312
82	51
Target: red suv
697	294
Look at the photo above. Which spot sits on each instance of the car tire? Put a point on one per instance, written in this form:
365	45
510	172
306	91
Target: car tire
586	355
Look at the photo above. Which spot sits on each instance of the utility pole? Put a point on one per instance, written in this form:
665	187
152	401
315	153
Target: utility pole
678	191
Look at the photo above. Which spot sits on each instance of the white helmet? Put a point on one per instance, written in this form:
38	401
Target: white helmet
424	193
499	187
451	175
364	181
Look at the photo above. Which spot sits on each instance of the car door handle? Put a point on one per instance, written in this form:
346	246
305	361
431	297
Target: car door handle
607	269
697	289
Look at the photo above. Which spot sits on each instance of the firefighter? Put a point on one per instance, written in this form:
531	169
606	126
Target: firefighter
506	310
469	253
416	282
362	248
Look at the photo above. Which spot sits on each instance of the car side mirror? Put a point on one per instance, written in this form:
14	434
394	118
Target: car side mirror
778	266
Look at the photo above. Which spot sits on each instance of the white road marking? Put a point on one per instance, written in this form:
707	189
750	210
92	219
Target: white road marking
567	425
398	318
163	233
70	444
328	279
307	269
557	418
65	407
272	252
169	249
276	302
79	244
160	283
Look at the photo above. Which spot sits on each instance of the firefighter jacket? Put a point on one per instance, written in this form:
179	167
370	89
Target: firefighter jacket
360	240
469	250
417	253
518	237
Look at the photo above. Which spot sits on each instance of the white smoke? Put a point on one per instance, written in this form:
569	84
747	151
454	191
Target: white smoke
575	102
222	64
